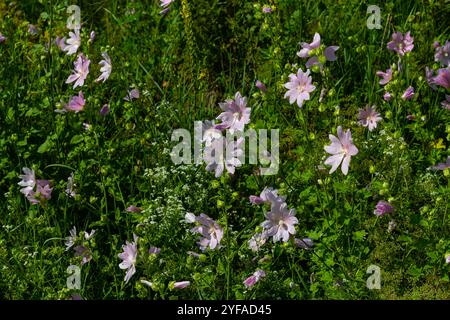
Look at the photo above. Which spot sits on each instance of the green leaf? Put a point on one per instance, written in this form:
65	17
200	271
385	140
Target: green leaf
46	146
359	235
405	238
77	139
10	115
32	112
415	271
22	143
314	235
44	15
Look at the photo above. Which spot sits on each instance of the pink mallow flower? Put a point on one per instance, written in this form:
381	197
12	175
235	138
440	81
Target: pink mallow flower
330	53
443	54
154	250
260	86
105	69
257	241
235	113
442	165
267	9
299	87
309	50
280	222
2	38
383	208
43	192
222	153
84	252
165	5
341	150
134	209
387	96
80	72
305	243
368	117
211	231
443	78
268	195
387	76
128	257
28	181
254	278
73	43
181	284
408	94
132	94
104	110
164	11
305	52
401	44
76	103
447	259
60	42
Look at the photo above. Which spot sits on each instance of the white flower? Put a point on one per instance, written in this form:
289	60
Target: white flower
89	236
341	150
220	155
128	257
280	222
257	241
235	113
28	181
73	43
80	71
106	68
72	238
299	87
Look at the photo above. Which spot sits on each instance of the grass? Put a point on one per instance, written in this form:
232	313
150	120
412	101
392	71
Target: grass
184	64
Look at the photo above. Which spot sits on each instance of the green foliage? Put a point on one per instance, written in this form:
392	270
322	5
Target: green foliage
184	63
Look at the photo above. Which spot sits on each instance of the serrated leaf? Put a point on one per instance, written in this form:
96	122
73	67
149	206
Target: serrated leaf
359	235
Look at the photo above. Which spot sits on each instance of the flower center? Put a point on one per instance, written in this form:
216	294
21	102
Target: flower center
283	225
345	148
